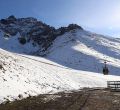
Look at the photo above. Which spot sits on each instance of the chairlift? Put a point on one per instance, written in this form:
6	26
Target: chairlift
105	68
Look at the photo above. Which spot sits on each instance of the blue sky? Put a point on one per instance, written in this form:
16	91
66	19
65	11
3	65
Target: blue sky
100	16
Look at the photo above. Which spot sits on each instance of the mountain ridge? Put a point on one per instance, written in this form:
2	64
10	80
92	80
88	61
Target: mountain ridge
32	30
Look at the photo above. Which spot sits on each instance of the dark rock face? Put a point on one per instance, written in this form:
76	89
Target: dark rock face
32	30
70	27
9	20
74	26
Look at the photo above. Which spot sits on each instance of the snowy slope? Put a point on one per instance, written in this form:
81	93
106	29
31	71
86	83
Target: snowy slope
12	44
74	61
28	75
82	50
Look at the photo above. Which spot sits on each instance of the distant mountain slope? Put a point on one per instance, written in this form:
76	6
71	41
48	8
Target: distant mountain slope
28	35
82	50
69	46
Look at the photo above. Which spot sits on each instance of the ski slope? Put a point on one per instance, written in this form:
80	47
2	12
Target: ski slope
28	75
83	50
74	61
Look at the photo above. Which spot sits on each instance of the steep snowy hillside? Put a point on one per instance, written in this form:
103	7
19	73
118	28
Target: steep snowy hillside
82	50
28	32
12	44
22	76
28	35
72	58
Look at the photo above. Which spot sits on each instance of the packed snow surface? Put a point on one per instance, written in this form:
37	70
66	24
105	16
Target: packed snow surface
28	75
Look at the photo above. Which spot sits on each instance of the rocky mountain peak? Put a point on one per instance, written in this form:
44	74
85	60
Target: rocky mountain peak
32	30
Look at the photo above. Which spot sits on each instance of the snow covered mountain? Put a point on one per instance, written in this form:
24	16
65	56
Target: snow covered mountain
28	35
72	58
83	50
